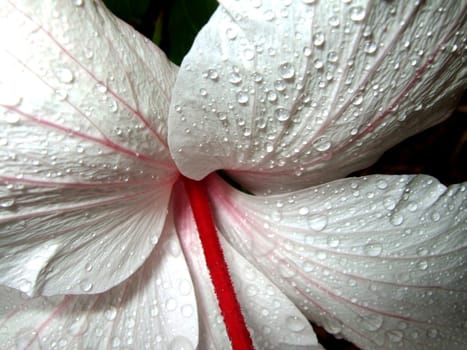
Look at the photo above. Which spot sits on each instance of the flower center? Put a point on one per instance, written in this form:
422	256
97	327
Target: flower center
217	266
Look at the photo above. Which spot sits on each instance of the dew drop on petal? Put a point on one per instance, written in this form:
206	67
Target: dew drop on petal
318	39
281	114
303	211
295	324
85	285
110	313
309	2
242	97
371	322
77	3
7	202
395	335
286	71
422	265
396	219
333	242
357	13
372	249
64	75
279	85
317	222
322	144
382	184
271	96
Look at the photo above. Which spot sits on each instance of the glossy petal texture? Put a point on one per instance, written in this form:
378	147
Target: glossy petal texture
85	173
274	322
155	308
288	94
378	260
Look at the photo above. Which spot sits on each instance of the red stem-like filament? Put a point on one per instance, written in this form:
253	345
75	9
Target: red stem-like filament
218	270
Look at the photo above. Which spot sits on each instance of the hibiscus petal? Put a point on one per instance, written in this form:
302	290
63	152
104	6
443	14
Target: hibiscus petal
274	322
155	308
85	173
379	260
286	95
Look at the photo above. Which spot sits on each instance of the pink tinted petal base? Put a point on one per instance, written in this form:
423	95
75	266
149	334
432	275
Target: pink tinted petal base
218	270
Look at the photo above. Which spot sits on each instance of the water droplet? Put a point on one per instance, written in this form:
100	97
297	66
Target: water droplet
309	2
110	313
322	144
64	75
435	216
286	71
333	242
116	342
295	324
334	21
269	147
187	310
231	33
432	333
85	285
318	64
304	211
333	56
281	114
258	78
422	265
242	97
61	94
395	335
212	74
77	2
79	326
332	325
318	39
370	47
389	203
101	87
382	184
7	202
271	96
317	222
203	92
181	343
307	51
24	285
235	78
357	100
171	304
279	85
371	322
372	249
396	219
357	13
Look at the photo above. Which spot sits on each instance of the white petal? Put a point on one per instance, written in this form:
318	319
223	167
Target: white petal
85	174
379	260
284	95
154	308
274	322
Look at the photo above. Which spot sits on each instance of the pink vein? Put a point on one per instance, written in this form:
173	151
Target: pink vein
91	74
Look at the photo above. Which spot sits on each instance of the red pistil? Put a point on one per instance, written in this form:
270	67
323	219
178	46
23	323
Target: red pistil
215	261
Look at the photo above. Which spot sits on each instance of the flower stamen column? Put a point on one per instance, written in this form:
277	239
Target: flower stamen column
218	270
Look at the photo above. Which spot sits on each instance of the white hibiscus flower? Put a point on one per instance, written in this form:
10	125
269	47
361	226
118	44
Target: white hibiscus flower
112	211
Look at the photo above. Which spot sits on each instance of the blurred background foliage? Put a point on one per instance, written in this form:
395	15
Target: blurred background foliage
439	151
171	25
